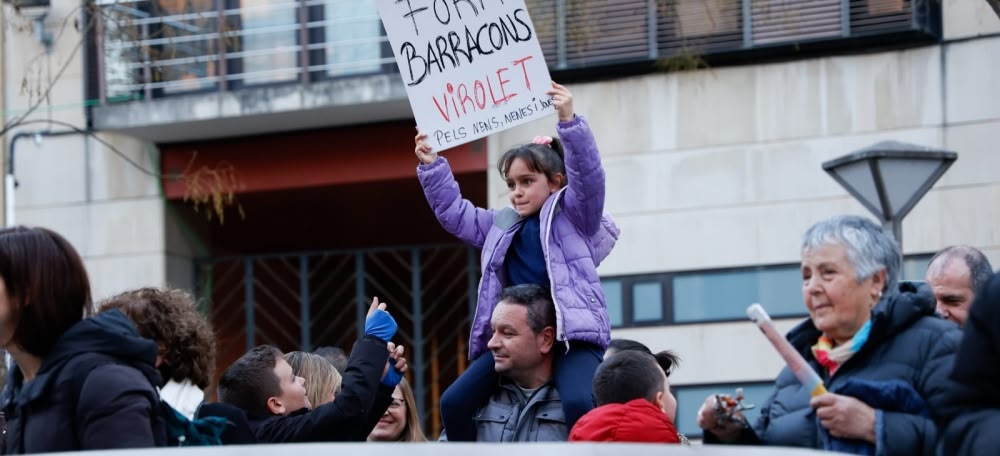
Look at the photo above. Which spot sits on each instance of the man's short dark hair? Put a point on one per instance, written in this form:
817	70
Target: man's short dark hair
626	376
250	381
980	270
335	356
47	286
538	300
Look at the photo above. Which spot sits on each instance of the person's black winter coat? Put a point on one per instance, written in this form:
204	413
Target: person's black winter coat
974	427
907	342
95	390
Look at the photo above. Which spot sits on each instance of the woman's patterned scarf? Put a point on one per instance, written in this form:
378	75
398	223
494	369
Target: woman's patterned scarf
832	357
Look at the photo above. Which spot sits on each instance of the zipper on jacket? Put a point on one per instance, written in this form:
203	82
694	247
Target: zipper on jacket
546	235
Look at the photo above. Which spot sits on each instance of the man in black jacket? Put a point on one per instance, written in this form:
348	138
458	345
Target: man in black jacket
261	383
976	398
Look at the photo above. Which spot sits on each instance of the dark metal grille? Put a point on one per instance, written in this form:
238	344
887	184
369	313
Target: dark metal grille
306	300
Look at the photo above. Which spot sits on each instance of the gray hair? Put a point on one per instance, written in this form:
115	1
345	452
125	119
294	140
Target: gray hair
869	248
980	270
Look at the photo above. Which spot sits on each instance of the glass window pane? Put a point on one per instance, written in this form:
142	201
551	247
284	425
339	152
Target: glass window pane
269	50
191	62
915	268
613	294
353	37
647	301
690	398
726	295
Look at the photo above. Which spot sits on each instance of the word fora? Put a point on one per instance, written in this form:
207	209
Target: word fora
460	100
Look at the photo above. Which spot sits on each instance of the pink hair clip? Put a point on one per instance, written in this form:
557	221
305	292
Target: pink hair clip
544	140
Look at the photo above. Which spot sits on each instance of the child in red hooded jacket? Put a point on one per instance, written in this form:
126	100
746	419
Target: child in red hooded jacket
634	403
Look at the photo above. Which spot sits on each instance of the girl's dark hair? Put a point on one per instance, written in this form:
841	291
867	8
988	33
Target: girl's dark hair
46	284
170	317
540	158
666	359
620	345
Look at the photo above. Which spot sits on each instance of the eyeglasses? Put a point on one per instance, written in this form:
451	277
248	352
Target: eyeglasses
396	403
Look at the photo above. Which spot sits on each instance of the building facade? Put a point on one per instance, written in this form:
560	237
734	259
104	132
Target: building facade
713	118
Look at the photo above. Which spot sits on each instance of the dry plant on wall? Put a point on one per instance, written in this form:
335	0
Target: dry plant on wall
210	188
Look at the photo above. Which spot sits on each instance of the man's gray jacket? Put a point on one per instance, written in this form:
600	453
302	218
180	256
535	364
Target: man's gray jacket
510	416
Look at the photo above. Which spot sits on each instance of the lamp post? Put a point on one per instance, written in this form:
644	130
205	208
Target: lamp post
889	178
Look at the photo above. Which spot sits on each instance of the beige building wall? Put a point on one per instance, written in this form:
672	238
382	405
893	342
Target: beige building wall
707	169
722	167
110	211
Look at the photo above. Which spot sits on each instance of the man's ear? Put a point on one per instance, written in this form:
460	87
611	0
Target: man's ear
547	340
275	406
658	400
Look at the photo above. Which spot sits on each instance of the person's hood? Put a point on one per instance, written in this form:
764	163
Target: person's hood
108	333
634	421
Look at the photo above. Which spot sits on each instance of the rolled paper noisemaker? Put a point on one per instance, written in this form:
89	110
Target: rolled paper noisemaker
793	359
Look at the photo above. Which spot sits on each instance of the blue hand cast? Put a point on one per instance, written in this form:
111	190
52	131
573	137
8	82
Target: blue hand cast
393	377
380	324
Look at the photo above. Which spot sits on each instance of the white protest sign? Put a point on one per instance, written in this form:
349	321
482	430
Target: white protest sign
471	67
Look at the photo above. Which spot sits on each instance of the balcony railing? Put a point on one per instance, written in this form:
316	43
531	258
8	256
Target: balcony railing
155	48
164	47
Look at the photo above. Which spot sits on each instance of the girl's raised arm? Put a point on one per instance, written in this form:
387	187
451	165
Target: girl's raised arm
584	199
457	215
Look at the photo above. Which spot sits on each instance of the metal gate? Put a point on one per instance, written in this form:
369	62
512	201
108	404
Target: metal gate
304	300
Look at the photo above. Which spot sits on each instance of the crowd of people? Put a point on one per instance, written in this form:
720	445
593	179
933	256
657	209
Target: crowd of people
909	367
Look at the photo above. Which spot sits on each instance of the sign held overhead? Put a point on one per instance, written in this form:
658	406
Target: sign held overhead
471	67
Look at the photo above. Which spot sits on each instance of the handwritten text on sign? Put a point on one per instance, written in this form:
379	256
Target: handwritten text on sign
471	67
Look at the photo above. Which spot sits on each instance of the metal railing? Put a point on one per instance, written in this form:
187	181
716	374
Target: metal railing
153	48
304	300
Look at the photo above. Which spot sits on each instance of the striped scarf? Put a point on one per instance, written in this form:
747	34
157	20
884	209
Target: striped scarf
832	357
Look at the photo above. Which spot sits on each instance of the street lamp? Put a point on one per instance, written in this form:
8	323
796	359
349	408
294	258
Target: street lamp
889	178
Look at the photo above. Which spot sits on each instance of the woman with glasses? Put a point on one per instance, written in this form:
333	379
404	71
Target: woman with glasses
400	422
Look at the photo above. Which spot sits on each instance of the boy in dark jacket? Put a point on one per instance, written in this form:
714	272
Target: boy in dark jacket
634	403
261	383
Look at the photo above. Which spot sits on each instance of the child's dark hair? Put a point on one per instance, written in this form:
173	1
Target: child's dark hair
547	159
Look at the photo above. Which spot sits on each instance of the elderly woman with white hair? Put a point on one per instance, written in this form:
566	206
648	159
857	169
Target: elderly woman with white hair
876	343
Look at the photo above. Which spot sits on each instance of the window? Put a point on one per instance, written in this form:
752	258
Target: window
716	295
698	26
726	295
777	21
915	267
353	37
690	399
647	301
269	37
613	295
